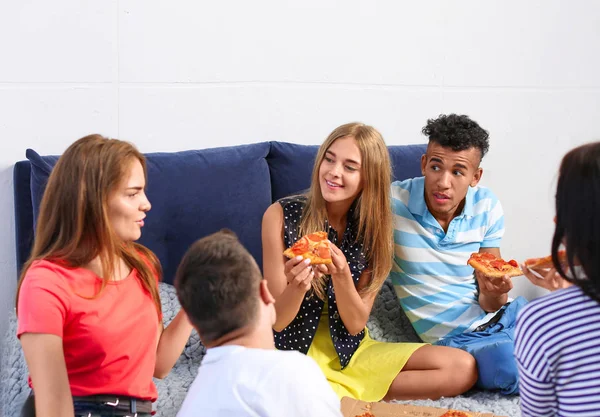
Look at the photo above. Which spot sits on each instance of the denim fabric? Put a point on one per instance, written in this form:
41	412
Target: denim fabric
81	409
493	349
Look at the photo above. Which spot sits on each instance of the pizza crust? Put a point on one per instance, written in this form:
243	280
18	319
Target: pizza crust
546	261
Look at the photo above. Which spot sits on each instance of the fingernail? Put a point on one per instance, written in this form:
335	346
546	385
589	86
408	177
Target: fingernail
307	261
298	258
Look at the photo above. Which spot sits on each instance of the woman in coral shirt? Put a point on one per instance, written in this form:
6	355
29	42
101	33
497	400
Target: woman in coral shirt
89	313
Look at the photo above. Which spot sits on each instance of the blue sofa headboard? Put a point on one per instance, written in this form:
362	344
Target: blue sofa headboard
194	193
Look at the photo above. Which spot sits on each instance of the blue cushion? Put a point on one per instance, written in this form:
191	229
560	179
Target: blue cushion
406	161
291	167
23	212
41	166
193	193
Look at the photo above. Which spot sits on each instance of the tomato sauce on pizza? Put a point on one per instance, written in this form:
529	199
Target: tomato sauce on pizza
314	246
492	266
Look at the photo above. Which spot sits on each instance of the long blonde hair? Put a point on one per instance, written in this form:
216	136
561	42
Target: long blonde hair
73	225
373	208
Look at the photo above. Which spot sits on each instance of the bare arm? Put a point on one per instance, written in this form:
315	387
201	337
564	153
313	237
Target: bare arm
354	308
171	342
46	362
288	280
493	292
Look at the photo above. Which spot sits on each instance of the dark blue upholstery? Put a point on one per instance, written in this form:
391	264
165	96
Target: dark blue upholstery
194	193
406	161
291	167
23	212
41	166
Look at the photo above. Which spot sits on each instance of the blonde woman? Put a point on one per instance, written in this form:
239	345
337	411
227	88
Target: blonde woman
322	311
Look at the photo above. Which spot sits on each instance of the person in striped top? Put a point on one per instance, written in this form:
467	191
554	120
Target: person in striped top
439	220
558	336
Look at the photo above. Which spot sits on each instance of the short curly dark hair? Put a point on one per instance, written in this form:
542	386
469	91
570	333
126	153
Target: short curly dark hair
457	132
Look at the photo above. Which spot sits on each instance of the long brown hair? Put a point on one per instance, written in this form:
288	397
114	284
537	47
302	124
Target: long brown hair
73	226
373	208
577	221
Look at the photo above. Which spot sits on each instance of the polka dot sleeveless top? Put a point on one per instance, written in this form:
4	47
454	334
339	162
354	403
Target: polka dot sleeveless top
298	335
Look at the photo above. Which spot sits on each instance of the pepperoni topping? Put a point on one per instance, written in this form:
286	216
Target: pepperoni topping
300	246
498	264
513	263
323	251
317	236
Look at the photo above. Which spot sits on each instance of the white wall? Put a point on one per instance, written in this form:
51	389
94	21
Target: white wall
194	74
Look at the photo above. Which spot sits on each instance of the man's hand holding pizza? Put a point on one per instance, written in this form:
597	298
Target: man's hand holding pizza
493	291
493	275
493	286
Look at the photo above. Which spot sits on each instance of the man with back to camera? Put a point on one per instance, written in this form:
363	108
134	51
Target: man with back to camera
440	219
220	287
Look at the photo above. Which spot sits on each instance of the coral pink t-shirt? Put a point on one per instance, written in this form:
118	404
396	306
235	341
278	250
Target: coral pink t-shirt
109	341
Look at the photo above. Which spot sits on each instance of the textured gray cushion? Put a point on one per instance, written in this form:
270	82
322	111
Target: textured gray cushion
13	372
387	323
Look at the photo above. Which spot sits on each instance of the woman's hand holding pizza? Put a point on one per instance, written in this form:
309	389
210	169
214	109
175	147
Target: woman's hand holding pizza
494	286
339	265
299	273
546	278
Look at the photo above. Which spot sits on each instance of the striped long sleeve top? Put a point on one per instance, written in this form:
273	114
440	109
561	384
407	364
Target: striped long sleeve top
557	347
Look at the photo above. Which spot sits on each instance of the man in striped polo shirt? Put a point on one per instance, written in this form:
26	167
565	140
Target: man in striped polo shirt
440	219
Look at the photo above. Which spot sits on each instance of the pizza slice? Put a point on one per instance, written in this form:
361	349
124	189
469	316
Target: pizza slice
455	413
493	266
314	246
546	261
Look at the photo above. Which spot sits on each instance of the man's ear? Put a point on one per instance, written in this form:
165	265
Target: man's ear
265	294
477	177
423	163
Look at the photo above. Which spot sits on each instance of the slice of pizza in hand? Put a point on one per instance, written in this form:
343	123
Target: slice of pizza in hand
546	261
314	246
493	266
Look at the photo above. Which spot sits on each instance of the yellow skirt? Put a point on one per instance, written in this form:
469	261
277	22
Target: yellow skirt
371	370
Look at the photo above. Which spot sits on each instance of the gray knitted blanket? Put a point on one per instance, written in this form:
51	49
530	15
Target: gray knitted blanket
387	323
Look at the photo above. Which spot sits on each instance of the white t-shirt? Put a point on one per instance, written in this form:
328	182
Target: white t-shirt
234	381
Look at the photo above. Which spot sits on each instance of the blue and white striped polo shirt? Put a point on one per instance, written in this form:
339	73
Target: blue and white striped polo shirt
557	346
436	287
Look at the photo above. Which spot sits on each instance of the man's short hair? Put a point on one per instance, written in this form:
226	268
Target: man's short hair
217	285
457	132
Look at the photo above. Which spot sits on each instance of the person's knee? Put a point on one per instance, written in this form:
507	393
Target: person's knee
465	369
460	372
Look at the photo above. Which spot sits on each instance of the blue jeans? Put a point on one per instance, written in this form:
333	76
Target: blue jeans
493	349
